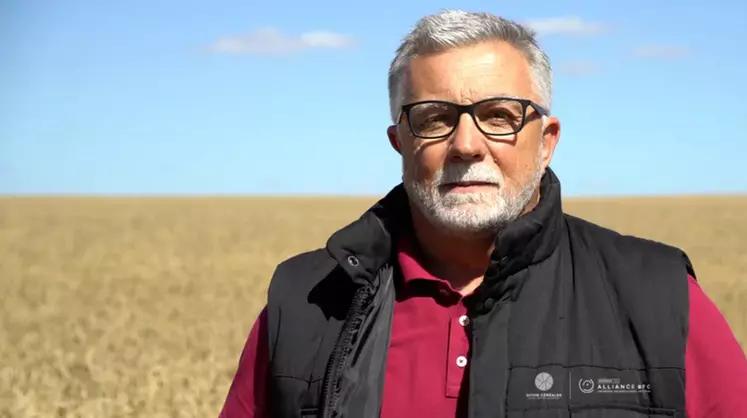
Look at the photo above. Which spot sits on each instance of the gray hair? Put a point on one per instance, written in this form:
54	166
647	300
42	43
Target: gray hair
454	28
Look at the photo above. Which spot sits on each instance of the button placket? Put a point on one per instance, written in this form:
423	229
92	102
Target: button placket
458	349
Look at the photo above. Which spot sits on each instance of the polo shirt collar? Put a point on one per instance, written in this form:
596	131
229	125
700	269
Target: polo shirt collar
373	239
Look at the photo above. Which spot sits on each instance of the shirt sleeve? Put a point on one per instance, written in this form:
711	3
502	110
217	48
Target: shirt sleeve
247	396
716	367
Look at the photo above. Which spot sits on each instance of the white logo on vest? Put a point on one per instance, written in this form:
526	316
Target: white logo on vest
544	382
612	385
586	385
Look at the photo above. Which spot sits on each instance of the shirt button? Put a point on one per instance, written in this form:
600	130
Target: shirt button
463	320
461	361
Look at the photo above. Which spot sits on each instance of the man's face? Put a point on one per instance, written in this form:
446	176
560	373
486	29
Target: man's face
471	183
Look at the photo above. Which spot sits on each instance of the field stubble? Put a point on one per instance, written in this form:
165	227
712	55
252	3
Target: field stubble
140	307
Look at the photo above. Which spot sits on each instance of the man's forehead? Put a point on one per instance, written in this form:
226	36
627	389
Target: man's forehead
463	96
469	74
467	91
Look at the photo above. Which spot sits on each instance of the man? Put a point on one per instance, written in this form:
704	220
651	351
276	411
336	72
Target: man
466	291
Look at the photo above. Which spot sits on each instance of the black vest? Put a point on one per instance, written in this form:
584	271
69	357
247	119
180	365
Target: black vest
571	320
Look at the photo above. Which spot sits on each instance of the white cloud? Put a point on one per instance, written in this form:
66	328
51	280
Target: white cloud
565	25
667	52
269	40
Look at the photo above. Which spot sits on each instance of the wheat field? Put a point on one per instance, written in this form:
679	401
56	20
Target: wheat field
124	307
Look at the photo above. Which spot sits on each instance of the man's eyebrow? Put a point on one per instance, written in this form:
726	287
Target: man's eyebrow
409	98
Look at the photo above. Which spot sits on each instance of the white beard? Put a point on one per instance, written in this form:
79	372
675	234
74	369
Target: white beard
482	213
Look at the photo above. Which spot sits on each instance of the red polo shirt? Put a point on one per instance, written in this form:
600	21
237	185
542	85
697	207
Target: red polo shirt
429	346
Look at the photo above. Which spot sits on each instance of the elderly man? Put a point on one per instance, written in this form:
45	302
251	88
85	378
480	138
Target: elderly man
466	291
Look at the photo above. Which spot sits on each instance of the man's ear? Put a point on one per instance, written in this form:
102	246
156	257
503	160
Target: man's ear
550	136
391	132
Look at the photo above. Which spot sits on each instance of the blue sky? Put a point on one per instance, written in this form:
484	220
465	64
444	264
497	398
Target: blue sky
230	97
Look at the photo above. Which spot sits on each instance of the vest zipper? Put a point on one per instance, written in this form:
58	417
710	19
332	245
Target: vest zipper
330	394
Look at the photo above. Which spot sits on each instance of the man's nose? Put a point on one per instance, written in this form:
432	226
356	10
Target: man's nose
467	142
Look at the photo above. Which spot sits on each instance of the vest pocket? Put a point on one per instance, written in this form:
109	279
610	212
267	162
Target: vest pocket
311	412
586	391
620	411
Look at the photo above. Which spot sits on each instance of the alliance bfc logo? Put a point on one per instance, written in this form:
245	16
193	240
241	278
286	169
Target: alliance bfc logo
611	385
586	385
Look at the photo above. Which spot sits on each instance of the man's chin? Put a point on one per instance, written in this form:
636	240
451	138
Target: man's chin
464	221
459	212
478	198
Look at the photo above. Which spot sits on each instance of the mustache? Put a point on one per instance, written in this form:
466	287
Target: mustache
461	173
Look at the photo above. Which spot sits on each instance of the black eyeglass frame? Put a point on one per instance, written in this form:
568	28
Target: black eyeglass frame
470	109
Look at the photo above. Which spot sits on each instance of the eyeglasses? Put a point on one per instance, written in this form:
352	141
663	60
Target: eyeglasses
497	116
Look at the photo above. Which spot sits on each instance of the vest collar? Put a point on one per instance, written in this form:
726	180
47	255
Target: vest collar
534	236
367	244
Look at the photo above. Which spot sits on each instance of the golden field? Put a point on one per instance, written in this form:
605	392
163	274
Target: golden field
119	307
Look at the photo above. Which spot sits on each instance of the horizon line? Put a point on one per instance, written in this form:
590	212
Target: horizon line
740	194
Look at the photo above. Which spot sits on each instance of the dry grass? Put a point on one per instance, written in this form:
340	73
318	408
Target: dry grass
140	307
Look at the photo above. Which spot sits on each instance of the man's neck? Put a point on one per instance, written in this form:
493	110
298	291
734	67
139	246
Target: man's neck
461	261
